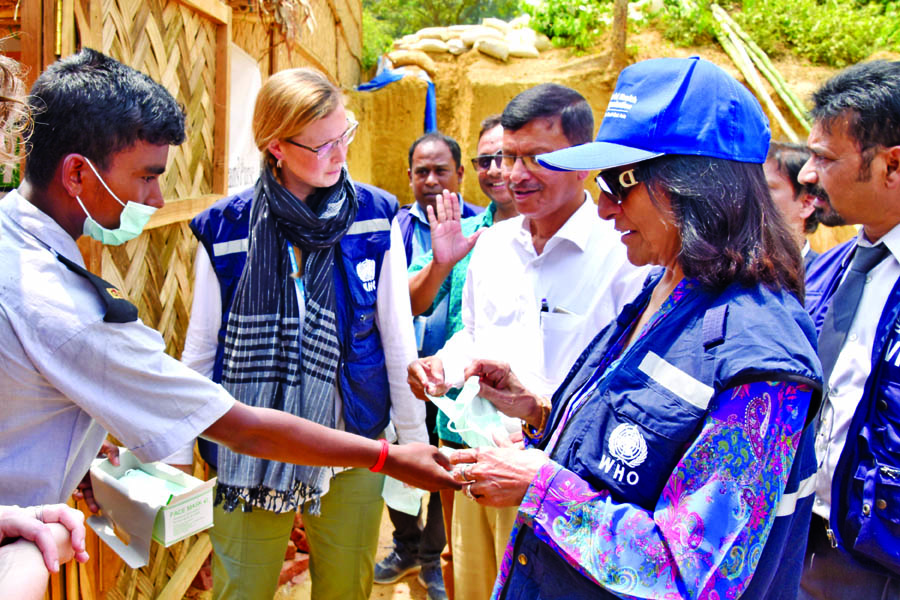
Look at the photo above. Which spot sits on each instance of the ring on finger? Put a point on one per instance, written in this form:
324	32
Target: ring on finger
468	491
39	513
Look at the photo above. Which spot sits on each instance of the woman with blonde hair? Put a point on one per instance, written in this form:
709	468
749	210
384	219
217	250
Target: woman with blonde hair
296	285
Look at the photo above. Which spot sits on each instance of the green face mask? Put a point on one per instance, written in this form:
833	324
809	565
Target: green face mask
475	419
132	220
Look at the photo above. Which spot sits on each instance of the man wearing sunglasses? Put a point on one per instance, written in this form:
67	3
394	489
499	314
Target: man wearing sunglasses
538	287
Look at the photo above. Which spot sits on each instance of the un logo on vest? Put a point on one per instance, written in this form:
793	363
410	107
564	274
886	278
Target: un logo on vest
366	271
627	444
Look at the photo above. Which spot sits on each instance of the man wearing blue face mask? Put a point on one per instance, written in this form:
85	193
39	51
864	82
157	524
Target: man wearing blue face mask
75	361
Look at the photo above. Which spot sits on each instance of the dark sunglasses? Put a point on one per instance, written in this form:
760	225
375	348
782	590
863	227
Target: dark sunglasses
482	162
615	184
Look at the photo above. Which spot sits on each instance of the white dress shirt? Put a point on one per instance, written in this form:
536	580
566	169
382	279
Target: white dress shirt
67	376
582	278
852	367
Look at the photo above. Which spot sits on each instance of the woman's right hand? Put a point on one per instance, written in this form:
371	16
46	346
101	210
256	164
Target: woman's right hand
420	465
33	524
502	388
426	375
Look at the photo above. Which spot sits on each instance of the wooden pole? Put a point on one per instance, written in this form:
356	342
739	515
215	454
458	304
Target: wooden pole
620	34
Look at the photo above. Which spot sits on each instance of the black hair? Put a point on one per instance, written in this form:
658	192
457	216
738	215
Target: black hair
437	136
731	231
869	94
549	100
488	124
789	158
93	105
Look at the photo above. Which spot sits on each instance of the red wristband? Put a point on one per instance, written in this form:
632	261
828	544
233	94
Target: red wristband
382	456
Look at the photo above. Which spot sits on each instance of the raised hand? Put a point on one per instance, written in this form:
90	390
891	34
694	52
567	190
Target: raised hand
420	465
448	244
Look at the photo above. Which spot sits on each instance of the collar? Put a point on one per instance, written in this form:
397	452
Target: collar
577	230
43	229
891	239
805	250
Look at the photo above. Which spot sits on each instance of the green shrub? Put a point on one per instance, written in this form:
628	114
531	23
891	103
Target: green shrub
573	23
377	38
831	32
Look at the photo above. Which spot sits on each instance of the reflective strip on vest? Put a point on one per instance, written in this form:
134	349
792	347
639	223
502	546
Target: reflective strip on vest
789	501
676	381
223	248
370	226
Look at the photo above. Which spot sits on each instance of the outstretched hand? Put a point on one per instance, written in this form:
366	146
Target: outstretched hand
497	476
426	375
448	244
420	465
501	387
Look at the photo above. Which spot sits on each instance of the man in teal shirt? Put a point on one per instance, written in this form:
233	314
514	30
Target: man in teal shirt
431	281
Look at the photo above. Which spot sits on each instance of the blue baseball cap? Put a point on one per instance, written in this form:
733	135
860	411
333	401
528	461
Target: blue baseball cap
672	106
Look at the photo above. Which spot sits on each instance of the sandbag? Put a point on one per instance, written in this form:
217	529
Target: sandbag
523	51
498	24
456	46
479	32
494	48
430	45
400	58
542	43
433	33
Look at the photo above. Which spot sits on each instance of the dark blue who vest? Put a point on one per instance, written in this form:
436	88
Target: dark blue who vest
662	386
865	491
223	229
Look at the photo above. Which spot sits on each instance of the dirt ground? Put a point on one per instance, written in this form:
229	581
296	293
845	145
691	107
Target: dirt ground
407	588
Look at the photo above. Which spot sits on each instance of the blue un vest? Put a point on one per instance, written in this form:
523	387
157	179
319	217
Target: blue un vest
718	341
865	491
223	229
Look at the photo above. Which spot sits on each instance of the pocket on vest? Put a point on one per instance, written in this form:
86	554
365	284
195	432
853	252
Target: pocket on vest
878	514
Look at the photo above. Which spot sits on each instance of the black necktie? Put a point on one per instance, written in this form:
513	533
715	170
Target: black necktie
844	304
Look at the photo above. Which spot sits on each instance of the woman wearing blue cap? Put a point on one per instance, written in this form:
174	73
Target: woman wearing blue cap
669	463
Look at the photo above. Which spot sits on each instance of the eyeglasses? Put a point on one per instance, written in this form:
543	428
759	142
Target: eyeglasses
528	161
616	183
326	148
482	162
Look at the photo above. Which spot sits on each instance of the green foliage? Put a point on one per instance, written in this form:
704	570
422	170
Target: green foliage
377	38
831	32
572	23
834	32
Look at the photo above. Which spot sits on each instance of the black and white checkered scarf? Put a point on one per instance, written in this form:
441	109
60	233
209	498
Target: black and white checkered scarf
268	363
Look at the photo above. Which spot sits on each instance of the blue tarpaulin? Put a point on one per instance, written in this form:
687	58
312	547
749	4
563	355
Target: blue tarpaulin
387	76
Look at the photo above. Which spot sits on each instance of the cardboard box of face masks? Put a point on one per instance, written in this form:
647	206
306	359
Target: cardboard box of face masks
145	502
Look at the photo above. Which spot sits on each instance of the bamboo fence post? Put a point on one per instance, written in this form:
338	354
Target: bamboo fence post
764	64
738	54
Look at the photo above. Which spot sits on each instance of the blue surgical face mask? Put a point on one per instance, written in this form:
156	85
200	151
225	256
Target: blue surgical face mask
132	221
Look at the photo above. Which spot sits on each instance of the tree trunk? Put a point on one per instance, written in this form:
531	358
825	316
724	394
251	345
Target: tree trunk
619	32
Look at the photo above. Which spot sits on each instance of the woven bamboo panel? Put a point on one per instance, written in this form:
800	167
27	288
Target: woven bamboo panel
176	47
249	33
168	574
155	272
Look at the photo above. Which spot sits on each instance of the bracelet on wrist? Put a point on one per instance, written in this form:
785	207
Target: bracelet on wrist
382	456
535	432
